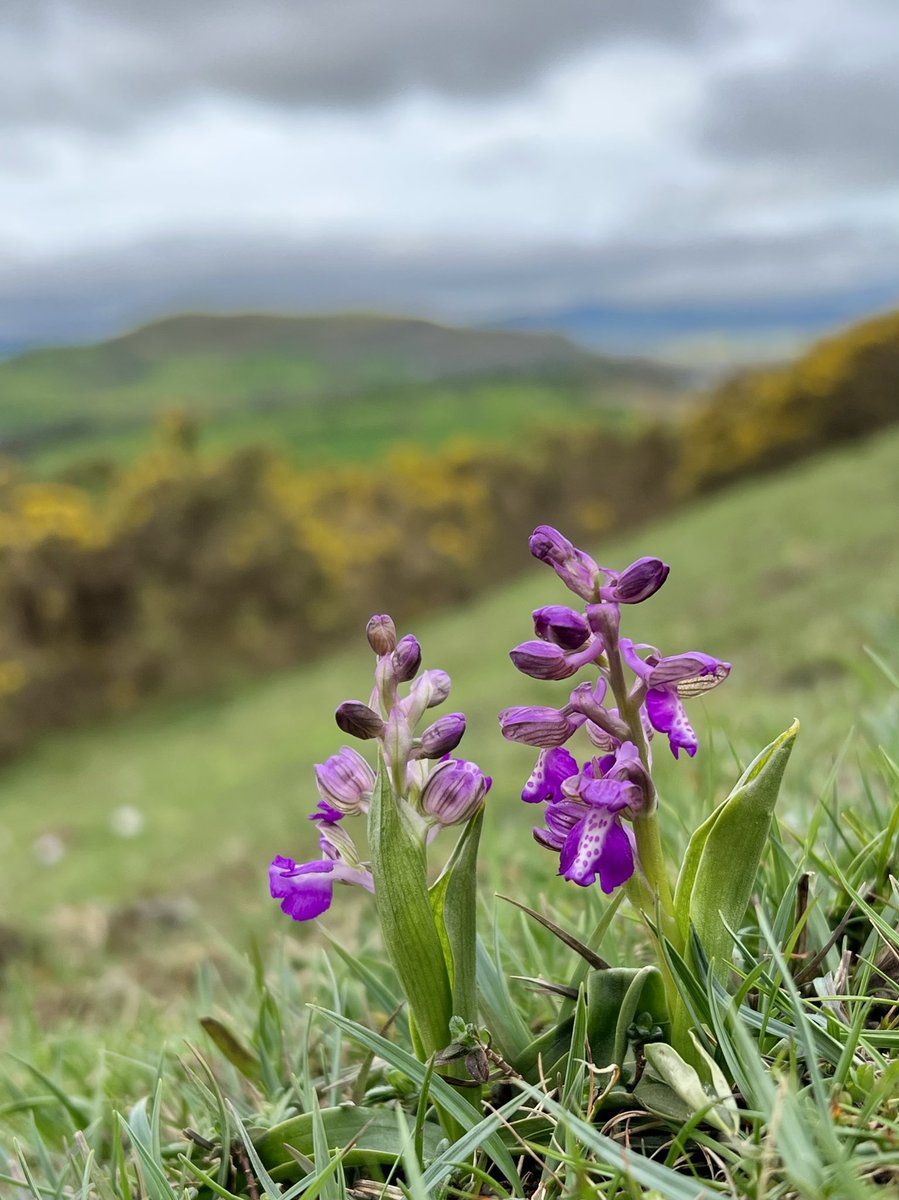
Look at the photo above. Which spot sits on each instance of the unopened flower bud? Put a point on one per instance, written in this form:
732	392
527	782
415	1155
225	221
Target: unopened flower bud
381	634
358	720
443	736
454	792
576	569
542	660
637	582
345	781
406	658
539	726
561	625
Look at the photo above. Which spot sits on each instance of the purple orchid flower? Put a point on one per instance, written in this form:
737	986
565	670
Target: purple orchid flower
584	811
306	890
668	681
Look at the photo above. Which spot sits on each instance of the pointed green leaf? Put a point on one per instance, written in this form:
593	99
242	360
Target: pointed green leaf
233	1048
407	920
722	860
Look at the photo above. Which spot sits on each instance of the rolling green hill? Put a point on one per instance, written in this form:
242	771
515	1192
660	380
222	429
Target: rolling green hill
328	387
787	577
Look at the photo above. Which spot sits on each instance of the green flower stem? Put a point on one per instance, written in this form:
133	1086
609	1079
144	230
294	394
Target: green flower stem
649	889
653	890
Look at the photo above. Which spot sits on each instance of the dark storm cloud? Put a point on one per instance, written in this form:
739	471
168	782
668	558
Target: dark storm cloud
97	295
835	122
108	62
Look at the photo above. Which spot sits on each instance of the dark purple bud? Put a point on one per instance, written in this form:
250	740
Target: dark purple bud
637	582
576	569
381	634
406	658
605	621
538	726
358	720
454	791
345	781
442	737
542	660
562	626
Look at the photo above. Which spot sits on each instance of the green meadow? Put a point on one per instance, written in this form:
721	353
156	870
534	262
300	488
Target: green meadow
791	578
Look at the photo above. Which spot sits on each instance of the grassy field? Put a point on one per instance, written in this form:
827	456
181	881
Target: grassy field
325	388
140	937
363	426
789	578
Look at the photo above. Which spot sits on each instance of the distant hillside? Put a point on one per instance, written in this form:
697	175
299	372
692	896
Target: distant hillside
239	370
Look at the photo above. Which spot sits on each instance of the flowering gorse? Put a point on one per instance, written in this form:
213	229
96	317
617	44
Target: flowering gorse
434	795
599	814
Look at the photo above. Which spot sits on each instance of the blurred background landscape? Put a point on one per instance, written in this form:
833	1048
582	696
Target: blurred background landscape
311	311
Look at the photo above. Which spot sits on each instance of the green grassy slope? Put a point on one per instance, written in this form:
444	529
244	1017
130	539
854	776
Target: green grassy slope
253	377
787	578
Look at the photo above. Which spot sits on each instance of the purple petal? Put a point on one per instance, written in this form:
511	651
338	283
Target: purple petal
616	862
668	715
535	725
552	767
542	660
304	891
697	670
579	860
548	839
637	582
610	794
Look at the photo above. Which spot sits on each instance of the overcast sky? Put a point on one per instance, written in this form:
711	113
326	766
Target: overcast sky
472	159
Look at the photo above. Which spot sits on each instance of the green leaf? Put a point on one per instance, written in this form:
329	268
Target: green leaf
454	900
233	1049
616	997
407	920
713	1100
372	1132
505	1022
722	860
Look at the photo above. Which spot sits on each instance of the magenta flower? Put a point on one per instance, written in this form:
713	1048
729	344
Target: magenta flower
306	890
584	811
668	681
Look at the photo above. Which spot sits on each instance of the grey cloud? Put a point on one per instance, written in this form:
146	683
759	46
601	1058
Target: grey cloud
96	295
835	123
108	62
